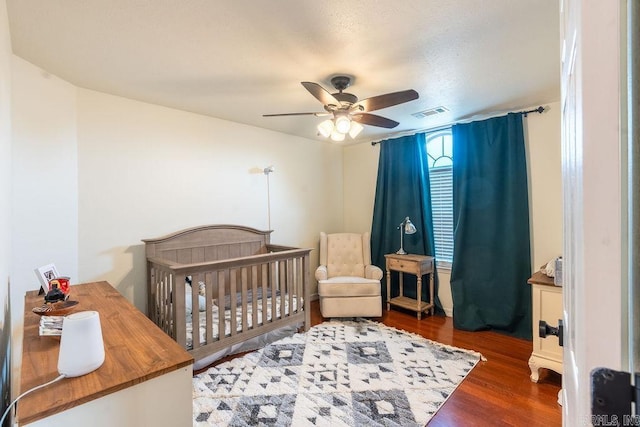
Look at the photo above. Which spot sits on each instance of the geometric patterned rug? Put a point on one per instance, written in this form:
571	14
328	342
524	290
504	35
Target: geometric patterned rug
339	373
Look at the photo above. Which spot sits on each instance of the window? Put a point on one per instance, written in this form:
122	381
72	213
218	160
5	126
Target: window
440	160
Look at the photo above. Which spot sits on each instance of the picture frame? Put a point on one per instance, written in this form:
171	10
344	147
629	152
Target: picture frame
46	273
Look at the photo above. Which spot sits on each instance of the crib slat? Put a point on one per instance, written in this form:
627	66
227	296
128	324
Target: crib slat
179	317
306	277
274	287
242	276
232	298
208	279
254	290
195	310
221	318
265	281
165	295
300	285
291	284
284	274
194	318
165	310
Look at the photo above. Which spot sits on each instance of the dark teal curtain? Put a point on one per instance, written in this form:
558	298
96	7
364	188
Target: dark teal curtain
491	258
402	190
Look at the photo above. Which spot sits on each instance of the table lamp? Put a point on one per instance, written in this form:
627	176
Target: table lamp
407	227
81	345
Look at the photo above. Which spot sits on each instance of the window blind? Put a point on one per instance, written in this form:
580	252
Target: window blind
441	180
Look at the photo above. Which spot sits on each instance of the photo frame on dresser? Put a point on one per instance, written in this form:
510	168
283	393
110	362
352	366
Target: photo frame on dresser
46	273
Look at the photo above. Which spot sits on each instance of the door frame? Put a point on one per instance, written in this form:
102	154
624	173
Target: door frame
593	97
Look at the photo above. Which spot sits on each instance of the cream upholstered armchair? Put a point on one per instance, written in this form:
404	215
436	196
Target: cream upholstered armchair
348	285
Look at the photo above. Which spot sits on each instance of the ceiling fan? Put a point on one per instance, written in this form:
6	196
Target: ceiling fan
348	114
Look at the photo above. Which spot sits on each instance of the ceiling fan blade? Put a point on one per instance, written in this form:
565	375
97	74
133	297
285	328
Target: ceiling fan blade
321	94
373	120
319	114
383	101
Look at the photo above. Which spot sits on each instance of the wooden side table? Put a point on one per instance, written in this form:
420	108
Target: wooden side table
418	265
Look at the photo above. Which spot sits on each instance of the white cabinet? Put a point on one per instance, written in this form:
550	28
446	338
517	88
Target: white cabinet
547	306
160	401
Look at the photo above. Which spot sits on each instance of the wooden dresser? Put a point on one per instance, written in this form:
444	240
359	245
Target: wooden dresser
546	300
146	379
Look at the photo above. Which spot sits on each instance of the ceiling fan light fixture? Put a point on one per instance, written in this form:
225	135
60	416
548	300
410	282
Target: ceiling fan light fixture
343	124
348	113
325	128
337	136
355	130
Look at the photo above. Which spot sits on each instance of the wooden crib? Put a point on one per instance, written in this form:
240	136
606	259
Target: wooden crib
239	290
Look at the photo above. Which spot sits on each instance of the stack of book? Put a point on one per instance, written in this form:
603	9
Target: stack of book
50	325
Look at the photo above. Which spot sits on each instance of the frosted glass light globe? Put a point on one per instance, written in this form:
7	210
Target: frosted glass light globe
343	124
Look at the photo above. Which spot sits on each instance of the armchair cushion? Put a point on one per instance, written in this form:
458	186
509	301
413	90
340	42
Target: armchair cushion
345	255
348	286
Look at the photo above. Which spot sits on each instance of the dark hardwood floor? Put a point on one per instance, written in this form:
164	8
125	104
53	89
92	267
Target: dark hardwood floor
497	392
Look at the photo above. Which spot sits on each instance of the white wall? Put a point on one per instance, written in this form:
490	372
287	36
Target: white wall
5	152
545	184
542	133
360	175
145	171
5	202
44	184
44	175
93	174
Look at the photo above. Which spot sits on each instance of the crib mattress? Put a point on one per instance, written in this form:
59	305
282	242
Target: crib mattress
240	318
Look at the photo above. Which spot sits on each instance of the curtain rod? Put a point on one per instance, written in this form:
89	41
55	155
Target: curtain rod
538	110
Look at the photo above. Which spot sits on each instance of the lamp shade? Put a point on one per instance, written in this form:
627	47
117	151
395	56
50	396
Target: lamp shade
355	130
337	136
325	128
405	227
409	228
343	124
81	345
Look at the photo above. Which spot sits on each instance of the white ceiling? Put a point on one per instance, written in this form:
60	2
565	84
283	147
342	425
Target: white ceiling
239	59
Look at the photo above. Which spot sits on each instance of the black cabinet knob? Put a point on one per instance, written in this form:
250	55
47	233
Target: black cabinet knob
544	329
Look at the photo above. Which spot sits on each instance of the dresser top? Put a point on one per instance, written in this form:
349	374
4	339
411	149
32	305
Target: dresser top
136	350
409	257
539	278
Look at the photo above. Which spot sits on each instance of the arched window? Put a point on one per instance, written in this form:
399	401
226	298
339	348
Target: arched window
440	160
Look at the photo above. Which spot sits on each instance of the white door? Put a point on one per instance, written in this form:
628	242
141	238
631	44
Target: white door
634	178
594	196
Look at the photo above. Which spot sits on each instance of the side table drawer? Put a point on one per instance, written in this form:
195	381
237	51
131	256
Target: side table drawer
401	265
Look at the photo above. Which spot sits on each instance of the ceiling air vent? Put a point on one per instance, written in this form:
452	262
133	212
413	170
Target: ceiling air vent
430	112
